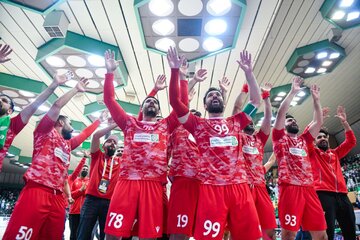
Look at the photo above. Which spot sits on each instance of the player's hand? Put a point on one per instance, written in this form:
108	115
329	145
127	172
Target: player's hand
81	85
4	53
110	62
174	59
245	61
160	83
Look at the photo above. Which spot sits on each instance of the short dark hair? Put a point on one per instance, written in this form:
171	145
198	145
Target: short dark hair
195	112
210	90
12	105
324	131
62	118
142	104
289	116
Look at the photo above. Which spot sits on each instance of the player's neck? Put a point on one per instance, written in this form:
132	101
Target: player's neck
216	115
149	119
291	134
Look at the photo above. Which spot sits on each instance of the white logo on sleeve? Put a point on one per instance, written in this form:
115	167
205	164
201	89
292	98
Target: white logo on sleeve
229	141
146	137
157	228
191	138
60	154
250	150
298	152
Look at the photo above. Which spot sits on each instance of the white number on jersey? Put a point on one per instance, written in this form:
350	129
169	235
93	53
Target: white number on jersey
223	128
209	227
24	233
182	220
118	220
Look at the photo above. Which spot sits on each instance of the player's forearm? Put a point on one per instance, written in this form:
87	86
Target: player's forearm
254	90
180	108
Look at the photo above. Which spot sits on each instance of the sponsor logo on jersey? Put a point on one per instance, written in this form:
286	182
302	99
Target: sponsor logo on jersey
60	154
298	152
250	150
229	141
146	137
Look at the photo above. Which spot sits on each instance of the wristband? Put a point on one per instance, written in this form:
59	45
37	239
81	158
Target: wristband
265	94
245	88
250	110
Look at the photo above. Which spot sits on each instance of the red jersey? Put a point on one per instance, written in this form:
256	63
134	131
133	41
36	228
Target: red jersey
327	174
185	154
219	144
97	173
253	150
293	158
145	152
16	125
51	154
77	195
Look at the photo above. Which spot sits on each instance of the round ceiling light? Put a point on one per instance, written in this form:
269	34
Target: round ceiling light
164	44
55	61
161	8
190	7
303	63
215	27
82	72
189	44
93	84
298	70
163	27
100	72
20	101
10	93
71	83
26	93
76	61
96	60
309	55
114	82
218	7
212	44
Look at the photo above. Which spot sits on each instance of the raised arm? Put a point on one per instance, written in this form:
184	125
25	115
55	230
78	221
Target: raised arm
270	162
160	84
116	111
224	84
239	102
30	109
181	109
95	142
284	107
4	53
200	76
350	140
246	65
318	117
77	170
265	94
325	113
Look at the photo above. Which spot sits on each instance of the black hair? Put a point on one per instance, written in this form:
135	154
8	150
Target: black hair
324	131
289	116
12	105
195	112
62	118
210	90
157	101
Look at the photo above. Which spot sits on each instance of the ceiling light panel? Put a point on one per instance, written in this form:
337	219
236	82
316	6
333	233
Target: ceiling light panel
42	7
343	14
315	59
277	95
188	24
76	53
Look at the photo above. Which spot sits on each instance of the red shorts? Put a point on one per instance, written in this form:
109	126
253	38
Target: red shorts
38	214
300	206
264	206
165	209
182	206
136	201
230	203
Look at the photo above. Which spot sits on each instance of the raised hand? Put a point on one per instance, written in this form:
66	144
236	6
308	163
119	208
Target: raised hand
104	116
62	78
245	61
224	84
315	92
200	75
110	62
184	67
325	112
192	94
296	84
4	52
160	83
341	114
174	59
86	153
267	87
81	85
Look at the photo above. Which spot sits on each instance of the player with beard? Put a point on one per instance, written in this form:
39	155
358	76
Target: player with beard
78	185
45	178
253	150
10	127
139	192
104	171
329	180
224	193
298	202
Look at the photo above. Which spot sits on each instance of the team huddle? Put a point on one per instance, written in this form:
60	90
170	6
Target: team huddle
214	164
